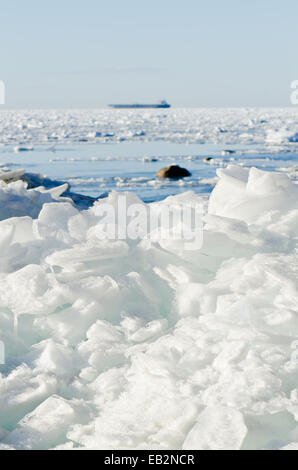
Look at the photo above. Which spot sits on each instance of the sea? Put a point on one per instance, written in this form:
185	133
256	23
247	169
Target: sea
97	151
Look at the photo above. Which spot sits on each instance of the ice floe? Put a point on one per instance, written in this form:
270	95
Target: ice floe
227	127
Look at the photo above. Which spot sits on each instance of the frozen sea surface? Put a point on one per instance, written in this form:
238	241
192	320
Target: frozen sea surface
121	344
97	151
213	126
94	169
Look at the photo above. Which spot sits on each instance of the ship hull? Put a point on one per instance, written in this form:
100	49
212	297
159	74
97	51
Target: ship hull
139	106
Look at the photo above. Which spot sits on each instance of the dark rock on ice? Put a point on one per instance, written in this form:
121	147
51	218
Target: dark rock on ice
173	172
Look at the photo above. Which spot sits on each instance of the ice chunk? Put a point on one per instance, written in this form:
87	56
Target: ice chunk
249	199
217	428
53	221
17	201
47	425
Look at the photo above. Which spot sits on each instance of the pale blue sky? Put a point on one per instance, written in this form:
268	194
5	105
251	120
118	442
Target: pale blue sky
191	52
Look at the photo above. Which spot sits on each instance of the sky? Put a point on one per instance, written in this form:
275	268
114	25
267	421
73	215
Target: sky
194	53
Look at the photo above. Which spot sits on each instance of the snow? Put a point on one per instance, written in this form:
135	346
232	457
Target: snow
121	344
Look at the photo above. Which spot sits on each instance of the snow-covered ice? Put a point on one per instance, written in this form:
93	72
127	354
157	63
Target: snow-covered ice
134	345
25	128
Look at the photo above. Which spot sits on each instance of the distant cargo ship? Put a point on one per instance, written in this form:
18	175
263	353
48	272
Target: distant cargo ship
162	104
